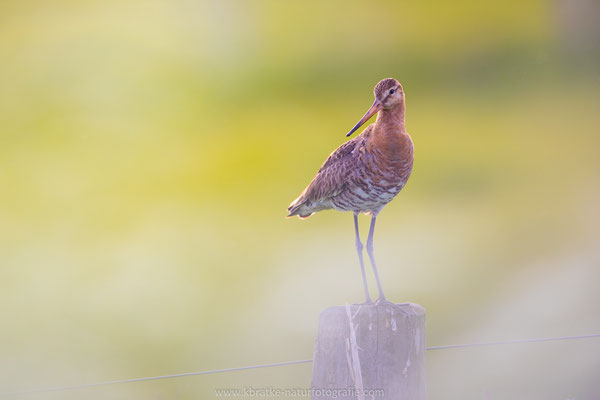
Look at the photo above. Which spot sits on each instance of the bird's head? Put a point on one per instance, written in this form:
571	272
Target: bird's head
388	94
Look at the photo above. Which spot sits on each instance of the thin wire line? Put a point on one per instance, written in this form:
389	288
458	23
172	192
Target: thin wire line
551	339
151	378
280	364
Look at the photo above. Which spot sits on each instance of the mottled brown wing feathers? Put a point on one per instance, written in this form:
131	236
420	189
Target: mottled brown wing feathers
330	178
343	151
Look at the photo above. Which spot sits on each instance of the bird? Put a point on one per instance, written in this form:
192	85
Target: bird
366	172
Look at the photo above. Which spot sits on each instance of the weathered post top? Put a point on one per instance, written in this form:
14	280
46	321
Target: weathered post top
370	351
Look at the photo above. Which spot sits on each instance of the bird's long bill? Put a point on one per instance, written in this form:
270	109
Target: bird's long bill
372	111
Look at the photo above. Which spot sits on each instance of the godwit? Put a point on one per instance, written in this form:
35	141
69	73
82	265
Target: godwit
365	173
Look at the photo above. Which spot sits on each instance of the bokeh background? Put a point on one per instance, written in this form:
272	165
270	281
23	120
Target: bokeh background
149	149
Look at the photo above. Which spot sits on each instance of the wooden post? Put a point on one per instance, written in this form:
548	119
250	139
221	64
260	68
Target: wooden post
366	352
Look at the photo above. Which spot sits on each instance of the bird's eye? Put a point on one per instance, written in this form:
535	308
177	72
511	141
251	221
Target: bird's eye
392	91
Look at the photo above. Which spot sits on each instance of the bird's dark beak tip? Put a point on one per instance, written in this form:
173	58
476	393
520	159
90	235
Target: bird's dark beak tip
373	110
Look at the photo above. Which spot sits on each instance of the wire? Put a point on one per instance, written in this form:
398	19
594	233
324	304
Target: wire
152	378
279	364
551	339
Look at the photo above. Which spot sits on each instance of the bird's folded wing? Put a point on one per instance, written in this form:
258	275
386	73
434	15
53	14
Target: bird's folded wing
332	175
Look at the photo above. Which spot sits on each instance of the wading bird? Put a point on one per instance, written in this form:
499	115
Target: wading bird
365	173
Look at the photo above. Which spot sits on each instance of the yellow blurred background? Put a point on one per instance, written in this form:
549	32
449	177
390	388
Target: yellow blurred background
149	149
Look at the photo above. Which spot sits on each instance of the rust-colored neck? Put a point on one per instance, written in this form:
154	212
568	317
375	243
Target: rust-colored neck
391	120
390	138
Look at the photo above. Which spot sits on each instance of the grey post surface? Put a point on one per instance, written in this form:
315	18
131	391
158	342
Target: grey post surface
364	348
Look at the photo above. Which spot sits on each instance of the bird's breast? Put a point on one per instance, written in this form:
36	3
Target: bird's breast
379	174
391	158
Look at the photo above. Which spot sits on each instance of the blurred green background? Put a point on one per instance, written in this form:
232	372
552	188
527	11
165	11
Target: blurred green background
149	149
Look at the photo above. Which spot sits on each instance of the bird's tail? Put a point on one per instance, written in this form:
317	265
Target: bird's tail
299	208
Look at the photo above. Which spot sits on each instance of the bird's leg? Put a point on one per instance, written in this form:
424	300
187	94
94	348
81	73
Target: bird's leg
359	250
372	258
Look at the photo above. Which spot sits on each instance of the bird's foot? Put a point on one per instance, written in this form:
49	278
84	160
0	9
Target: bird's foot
367	302
382	301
